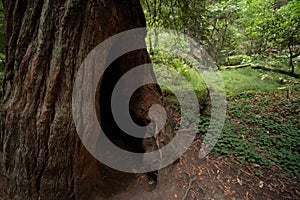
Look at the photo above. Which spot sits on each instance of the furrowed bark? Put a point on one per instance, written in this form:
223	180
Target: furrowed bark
41	155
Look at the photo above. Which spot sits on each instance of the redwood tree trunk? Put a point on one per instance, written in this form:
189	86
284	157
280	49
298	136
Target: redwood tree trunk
41	155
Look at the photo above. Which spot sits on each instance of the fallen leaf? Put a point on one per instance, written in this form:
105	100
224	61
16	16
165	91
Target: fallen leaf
261	184
239	181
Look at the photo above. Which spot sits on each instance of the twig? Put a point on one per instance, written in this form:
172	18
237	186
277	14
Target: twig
192	179
207	171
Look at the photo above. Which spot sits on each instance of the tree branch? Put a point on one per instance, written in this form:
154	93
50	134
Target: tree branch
296	55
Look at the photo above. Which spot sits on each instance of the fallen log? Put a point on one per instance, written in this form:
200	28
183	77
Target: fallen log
280	71
237	66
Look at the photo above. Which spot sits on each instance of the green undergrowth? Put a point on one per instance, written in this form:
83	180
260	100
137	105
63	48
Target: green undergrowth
247	80
263	128
263	118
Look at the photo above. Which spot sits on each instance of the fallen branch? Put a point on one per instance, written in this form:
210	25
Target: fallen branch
237	66
192	179
280	71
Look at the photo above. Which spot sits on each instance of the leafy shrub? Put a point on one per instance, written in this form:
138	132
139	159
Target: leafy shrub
237	60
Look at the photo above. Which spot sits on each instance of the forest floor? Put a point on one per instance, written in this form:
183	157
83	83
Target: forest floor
256	157
214	178
217	177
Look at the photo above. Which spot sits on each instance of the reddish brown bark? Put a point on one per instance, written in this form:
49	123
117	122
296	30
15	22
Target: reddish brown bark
40	153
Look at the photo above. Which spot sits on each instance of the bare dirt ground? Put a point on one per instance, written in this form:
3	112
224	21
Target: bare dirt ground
213	178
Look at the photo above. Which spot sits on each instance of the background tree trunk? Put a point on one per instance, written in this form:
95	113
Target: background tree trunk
41	155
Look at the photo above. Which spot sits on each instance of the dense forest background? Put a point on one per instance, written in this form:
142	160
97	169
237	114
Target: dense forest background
235	31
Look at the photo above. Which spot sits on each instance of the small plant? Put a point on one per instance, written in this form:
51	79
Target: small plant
237	60
2	62
263	129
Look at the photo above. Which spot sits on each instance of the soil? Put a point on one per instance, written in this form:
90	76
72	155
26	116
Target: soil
213	178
